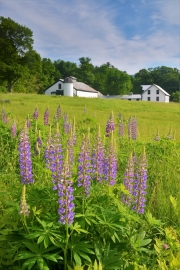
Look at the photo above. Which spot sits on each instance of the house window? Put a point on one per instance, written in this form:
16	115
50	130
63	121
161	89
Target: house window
149	92
148	98
59	86
157	92
157	98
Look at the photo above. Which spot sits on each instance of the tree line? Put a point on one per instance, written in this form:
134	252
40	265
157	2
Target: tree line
24	70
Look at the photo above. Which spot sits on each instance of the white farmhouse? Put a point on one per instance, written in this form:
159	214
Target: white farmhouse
70	87
154	93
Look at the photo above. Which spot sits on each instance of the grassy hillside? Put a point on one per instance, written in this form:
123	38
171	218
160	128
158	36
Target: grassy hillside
150	115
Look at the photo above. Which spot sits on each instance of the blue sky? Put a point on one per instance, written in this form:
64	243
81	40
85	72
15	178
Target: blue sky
130	34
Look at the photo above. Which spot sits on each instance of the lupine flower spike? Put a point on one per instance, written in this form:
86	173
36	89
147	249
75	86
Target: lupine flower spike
58	112
129	181
53	156
157	137
4	116
110	126
38	144
28	122
46	117
13	130
134	128
70	148
169	135
110	163
84	166
24	207
74	132
140	185
98	158
65	194
121	129
25	158
35	113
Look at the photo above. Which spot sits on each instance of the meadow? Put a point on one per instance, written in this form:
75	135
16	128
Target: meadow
89	183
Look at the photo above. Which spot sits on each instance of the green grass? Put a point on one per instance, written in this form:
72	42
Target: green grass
151	115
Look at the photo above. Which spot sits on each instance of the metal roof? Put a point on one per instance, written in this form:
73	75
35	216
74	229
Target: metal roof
145	87
83	87
160	88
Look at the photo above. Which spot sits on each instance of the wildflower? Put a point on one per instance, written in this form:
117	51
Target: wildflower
74	132
84	167
13	130
157	137
110	126
70	148
165	246
121	129
110	163
130	127
58	112
134	128
28	122
169	135
24	207
67	125
35	114
25	158
65	193
4	116
129	181
38	144
53	156
139	187
46	117
97	158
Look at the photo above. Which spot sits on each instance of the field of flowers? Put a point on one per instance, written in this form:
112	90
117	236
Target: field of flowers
87	190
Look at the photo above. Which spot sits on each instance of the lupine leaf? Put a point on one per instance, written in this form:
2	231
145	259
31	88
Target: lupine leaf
40	263
77	259
29	263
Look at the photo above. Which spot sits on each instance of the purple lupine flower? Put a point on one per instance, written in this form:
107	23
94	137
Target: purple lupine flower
53	156
58	112
24	207
98	158
4	117
35	114
28	122
121	129
25	158
13	130
130	128
84	166
74	132
157	137
169	135
129	181
65	194
134	128
110	126
46	117
139	188
110	163
67	125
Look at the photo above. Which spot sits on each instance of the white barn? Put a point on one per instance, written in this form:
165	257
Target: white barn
154	93
70	87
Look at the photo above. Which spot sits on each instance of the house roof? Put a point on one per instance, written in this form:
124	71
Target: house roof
59	80
83	87
160	88
145	87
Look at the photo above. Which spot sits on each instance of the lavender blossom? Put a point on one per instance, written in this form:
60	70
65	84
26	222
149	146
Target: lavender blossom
134	128
53	157
58	112
139	188
28	122
67	125
121	129
24	207
110	163
129	181
70	148
38	144
110	126
46	117
13	130
84	167
97	158
25	158
35	114
65	193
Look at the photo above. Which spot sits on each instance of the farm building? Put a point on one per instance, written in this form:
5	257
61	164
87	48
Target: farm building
131	96
154	93
70	87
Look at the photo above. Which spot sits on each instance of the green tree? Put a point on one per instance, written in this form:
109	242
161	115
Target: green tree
86	71
176	96
66	68
15	42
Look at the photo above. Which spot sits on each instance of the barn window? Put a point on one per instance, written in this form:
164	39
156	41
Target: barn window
59	86
149	92
157	98
60	92
148	98
157	92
